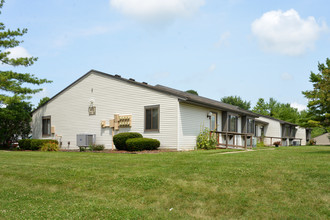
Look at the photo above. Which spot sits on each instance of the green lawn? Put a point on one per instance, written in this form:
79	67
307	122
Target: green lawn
287	182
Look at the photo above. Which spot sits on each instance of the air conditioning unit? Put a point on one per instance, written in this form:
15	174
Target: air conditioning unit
84	140
296	143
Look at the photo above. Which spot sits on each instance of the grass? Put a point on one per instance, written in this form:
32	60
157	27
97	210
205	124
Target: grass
287	182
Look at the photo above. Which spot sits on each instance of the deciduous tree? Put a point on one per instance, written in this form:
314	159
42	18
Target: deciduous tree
14	122
43	101
192	92
237	101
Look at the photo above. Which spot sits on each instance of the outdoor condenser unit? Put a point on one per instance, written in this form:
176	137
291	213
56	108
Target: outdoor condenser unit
84	140
295	143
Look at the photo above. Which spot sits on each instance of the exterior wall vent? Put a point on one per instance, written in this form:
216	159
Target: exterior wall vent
84	140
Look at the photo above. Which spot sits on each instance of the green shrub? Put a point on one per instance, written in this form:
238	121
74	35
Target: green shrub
25	144
49	146
98	147
139	144
36	144
311	142
261	144
120	139
205	140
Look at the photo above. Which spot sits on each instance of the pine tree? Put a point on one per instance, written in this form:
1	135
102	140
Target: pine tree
319	97
11	82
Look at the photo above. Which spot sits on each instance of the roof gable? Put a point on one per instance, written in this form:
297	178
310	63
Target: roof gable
182	96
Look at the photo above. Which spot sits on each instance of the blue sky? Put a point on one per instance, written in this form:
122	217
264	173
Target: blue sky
253	49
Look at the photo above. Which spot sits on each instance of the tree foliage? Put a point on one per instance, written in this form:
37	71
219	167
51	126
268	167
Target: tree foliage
192	92
282	111
261	107
15	122
237	101
319	97
11	82
43	101
14	87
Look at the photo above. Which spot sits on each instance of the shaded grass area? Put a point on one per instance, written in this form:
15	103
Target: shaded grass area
288	182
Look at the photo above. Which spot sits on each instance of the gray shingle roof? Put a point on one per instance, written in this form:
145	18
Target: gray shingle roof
183	96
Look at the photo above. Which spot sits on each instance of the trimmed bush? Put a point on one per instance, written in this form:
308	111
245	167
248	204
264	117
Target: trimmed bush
36	144
50	146
139	144
25	144
120	139
98	147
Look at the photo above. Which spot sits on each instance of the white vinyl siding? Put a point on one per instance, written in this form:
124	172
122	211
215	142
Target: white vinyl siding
70	116
192	119
301	133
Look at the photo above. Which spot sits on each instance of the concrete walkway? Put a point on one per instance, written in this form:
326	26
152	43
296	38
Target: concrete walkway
242	151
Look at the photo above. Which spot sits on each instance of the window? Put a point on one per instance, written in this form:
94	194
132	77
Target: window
287	131
256	130
232	123
46	127
262	131
250	125
151	118
213	126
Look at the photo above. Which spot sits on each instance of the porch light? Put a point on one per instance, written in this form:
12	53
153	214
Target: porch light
209	115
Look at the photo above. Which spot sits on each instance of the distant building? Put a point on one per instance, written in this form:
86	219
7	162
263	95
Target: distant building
323	139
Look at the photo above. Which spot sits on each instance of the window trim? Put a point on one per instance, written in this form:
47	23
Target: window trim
145	118
50	126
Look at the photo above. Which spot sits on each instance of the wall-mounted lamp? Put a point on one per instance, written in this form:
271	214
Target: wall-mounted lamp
209	115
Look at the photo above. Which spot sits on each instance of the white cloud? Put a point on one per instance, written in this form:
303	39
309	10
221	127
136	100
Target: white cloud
223	39
212	67
286	76
18	52
157	11
67	37
298	106
286	32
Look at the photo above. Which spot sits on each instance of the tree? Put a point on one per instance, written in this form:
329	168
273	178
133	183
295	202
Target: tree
282	111
11	83
319	97
14	112
261	107
192	92
238	101
15	122
43	101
